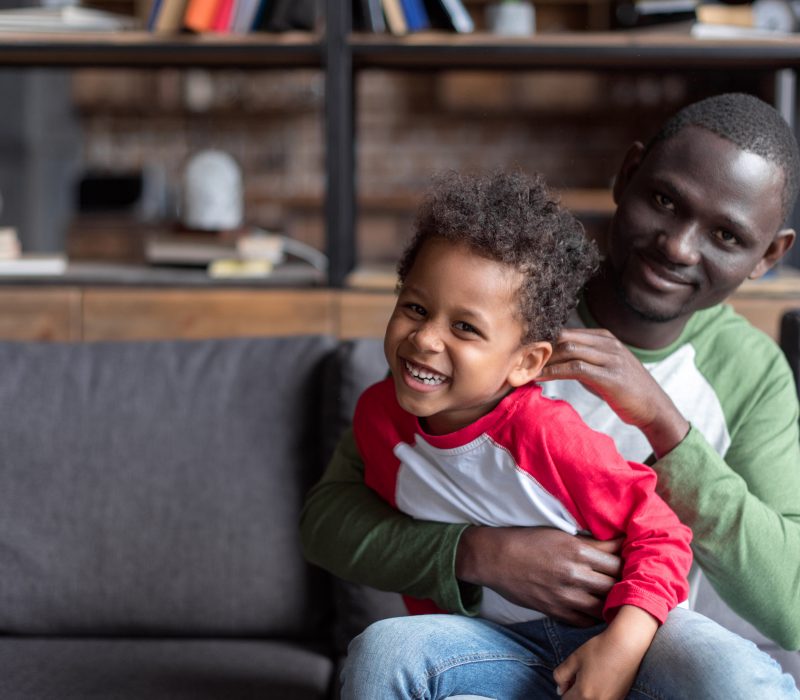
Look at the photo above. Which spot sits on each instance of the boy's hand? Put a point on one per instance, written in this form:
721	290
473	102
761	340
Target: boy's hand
606	367
605	667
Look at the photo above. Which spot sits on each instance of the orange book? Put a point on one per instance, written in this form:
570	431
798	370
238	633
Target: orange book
200	15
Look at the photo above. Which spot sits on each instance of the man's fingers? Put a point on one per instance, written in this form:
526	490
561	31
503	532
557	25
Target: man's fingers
603	557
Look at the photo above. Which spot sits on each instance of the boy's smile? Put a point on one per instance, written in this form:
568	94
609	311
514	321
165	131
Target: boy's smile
453	342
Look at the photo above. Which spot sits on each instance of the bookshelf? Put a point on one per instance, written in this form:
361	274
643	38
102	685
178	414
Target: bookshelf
342	55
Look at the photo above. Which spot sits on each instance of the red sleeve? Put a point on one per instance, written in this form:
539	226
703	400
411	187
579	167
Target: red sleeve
611	497
376	433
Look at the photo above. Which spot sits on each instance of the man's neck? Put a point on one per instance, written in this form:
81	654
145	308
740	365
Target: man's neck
611	312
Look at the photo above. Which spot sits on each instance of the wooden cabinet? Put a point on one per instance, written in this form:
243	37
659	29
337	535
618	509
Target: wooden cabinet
103	313
40	314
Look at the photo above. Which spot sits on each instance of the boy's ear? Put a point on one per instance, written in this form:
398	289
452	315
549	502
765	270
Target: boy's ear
631	163
776	250
532	359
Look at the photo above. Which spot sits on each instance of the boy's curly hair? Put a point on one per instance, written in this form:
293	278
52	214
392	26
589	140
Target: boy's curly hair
512	218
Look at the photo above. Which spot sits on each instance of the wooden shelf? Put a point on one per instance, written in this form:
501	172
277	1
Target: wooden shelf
630	50
139	48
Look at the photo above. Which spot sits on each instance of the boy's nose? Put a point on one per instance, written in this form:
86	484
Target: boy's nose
427	338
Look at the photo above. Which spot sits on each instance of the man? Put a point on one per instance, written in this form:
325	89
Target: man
676	380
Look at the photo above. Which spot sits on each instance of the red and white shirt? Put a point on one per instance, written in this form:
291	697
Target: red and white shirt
531	461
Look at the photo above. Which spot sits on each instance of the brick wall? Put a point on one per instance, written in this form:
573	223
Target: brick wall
573	127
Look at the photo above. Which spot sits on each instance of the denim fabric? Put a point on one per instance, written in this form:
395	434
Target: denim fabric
439	656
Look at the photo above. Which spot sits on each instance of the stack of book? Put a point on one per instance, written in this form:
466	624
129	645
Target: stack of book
403	16
231	16
250	252
15	263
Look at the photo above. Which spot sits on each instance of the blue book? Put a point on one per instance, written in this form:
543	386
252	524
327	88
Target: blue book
152	18
416	15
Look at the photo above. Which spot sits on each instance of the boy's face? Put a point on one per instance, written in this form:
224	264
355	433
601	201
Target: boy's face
453	342
695	217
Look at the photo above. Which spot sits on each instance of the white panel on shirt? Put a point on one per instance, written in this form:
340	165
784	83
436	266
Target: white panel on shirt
476	483
686	386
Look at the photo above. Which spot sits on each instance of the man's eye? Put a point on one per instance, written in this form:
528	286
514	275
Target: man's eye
663	201
723	236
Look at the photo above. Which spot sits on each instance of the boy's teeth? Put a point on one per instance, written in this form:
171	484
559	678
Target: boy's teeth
424	375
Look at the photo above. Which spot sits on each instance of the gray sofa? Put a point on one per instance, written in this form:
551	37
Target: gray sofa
149	500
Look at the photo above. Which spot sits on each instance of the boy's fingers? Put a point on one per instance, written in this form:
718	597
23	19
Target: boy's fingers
564	675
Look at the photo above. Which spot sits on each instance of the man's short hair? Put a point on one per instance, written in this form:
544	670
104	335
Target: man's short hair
749	123
511	218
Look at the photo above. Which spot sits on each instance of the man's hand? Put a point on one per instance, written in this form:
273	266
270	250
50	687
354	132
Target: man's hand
606	367
563	576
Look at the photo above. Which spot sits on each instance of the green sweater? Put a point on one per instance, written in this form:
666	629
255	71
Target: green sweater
735	480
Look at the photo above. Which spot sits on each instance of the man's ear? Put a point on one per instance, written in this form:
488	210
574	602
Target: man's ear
631	163
532	359
777	249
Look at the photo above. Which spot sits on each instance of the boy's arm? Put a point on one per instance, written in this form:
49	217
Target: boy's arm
349	530
606	666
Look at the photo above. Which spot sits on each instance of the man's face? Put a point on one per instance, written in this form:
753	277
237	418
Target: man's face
454	337
695	217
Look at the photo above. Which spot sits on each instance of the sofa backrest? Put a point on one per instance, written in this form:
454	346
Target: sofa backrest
352	368
154	488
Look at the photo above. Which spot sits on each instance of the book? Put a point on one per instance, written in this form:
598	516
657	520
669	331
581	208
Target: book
370	15
152	15
224	16
200	15
244	16
395	17
33	265
284	15
450	14
648	13
416	15
169	17
64	19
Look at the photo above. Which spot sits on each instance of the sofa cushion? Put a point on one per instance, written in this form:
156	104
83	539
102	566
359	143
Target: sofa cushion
155	488
186	669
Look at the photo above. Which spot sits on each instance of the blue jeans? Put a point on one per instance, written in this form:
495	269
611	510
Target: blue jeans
440	656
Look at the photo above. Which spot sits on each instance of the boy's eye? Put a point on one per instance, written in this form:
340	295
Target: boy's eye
465	327
663	201
415	309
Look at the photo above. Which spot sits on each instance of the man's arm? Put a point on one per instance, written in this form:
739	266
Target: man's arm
349	530
744	510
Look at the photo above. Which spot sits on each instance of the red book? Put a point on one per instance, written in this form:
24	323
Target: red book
222	22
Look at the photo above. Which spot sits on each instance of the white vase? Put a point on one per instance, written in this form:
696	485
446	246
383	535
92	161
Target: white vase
511	18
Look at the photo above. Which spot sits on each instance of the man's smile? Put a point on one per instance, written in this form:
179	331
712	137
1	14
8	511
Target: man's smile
660	276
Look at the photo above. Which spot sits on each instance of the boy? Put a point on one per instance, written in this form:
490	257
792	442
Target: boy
459	433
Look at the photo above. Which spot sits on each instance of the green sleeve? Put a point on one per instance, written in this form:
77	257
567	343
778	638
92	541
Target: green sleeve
349	530
744	510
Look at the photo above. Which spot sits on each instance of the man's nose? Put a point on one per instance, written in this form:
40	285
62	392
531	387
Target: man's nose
427	338
681	245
